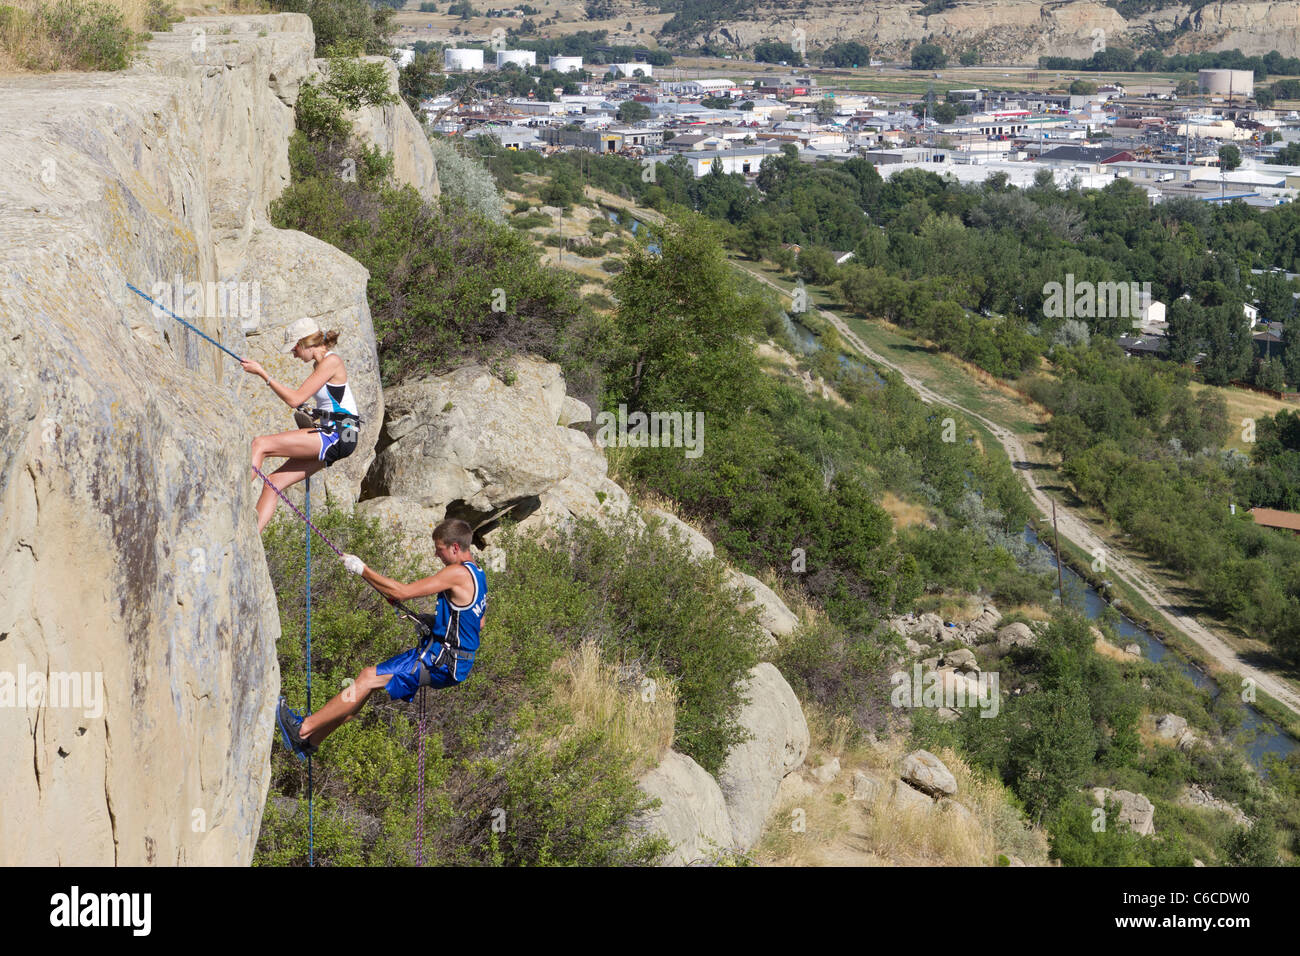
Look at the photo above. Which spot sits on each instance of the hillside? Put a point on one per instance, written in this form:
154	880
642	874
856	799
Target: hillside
1002	31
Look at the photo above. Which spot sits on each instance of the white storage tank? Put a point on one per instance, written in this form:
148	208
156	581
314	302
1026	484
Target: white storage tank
463	60
565	64
1227	82
520	58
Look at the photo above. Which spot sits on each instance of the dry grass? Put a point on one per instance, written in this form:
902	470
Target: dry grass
28	45
1109	650
1244	404
816	825
1034	612
636	725
905	513
958	608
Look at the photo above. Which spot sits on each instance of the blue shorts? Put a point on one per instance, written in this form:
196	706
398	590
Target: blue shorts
406	673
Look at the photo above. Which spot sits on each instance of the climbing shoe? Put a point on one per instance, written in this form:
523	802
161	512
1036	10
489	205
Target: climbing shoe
289	721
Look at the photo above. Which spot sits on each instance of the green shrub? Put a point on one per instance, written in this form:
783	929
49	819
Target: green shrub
613	266
336	22
85	35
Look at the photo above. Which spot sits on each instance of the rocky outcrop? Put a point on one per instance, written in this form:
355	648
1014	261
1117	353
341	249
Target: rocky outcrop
754	769
1015	31
692	813
1174	728
1016	635
393	129
126	441
1195	795
928	773
773	615
1135	810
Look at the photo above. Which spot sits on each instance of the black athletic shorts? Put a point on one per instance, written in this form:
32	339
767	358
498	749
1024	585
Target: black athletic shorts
338	439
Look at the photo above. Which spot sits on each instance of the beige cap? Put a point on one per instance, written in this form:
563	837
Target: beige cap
298	331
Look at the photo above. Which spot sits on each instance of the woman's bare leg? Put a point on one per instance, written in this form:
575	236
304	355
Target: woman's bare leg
301	443
290	473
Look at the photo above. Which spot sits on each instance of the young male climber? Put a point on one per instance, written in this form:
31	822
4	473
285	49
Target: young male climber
443	659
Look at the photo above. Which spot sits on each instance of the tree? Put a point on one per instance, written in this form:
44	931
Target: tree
928	56
1082	88
969	57
847	53
630	111
772	51
1186	88
683	327
1229	157
825	109
945	113
1264	97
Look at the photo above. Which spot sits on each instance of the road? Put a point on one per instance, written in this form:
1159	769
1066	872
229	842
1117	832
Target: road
1075	529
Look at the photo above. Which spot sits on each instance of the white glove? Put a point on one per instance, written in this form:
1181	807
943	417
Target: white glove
353	563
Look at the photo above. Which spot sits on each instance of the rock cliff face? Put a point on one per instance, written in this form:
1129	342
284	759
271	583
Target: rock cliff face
1016	31
137	619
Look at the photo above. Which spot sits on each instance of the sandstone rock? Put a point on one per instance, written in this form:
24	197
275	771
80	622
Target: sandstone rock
915	648
927	772
470	444
1171	726
1195	795
753	770
903	797
775	618
959	811
866	787
1134	649
961	659
700	547
302	276
692	814
793	788
827	772
574	412
125	465
394	129
1016	635
1136	811
947	714
986	623
412	520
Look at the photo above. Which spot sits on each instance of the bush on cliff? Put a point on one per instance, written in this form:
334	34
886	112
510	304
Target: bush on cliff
504	746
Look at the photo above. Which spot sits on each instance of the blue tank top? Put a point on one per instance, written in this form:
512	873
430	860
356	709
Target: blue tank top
462	621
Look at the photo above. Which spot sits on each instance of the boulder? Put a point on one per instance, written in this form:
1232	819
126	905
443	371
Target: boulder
928	773
866	787
962	659
393	129
574	412
1135	649
701	548
903	797
986	623
1016	635
1195	795
1171	726
1136	811
471	444
692	814
827	772
413	522
959	811
753	770
774	617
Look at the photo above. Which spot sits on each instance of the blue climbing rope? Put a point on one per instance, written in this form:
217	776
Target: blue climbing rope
159	305
311	842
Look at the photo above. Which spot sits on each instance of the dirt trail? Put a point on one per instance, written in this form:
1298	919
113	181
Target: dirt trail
1076	530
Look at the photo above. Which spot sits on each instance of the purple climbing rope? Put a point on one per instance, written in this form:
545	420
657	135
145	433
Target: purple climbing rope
307	520
419	786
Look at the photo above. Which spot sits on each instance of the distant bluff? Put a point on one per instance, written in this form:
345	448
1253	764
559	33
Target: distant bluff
1016	31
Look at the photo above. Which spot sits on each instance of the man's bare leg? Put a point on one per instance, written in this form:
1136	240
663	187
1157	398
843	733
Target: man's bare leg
342	707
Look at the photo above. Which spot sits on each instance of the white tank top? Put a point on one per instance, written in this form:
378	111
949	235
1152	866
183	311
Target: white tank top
336	398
